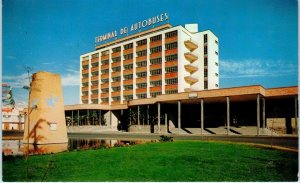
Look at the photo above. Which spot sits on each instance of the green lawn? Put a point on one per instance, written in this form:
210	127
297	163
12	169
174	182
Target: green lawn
171	161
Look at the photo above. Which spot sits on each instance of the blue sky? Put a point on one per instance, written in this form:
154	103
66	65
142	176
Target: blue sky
257	38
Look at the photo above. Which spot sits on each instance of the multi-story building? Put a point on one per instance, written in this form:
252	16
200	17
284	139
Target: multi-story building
162	60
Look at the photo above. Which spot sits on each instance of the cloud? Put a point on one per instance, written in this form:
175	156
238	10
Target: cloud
16	81
255	68
70	79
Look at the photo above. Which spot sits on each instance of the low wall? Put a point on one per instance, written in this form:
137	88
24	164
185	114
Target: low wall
147	129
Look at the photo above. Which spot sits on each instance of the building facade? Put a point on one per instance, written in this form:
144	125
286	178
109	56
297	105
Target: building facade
162	60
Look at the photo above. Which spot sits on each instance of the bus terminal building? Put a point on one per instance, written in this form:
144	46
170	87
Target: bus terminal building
166	80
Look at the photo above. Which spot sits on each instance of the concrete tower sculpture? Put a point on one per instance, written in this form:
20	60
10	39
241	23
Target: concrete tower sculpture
45	123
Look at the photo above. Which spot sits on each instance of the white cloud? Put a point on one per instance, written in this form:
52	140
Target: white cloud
255	68
70	79
16	81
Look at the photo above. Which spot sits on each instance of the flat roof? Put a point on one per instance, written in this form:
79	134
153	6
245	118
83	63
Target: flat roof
236	94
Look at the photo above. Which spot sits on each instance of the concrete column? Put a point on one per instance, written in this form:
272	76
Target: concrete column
296	114
202	116
264	113
258	112
78	117
147	114
166	122
158	116
110	121
88	117
138	116
72	118
228	114
130	114
179	115
100	117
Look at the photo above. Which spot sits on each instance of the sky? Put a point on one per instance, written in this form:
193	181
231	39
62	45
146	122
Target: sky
257	38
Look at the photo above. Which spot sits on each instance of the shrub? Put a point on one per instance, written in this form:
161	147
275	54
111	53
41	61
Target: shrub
164	138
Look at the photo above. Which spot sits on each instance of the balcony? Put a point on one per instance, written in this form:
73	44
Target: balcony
114	84
104	57
85	80
115	102
106	66
104	85
95	60
115	94
85	71
116	64
114	74
128	71
190	80
171	87
85	88
84	97
141	69
171	75
104	95
171	51
94	96
127	82
171	63
141	90
155	66
86	62
127	62
191	45
128	51
95	69
116	54
94	78
156	43
127	92
142	47
155	55
155	78
171	39
141	58
104	76
190	68
190	57
141	80
104	103
94	87
155	89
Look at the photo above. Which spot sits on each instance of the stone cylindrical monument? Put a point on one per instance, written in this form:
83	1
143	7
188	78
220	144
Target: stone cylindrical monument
45	122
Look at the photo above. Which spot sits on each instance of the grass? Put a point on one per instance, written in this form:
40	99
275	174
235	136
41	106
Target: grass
169	161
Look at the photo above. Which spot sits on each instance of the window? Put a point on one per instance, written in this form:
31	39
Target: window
116	98
141	64
216	53
127	77
117	49
156	61
85	66
171	34
216	63
171	81
217	74
155	38
128	46
205	61
171	58
95	64
155	83
104	99
205	38
141	53
117	88
128	97
216	85
142	42
105	90
104	62
141	74
116	79
85	58
128	87
129	56
205	50
171	46
154	94
205	85
171	69
116	69
130	66
105	71
106	52
205	72
171	91
85	75
156	72
155	49
104	80
116	59
141	85
216	42
96	55
140	96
